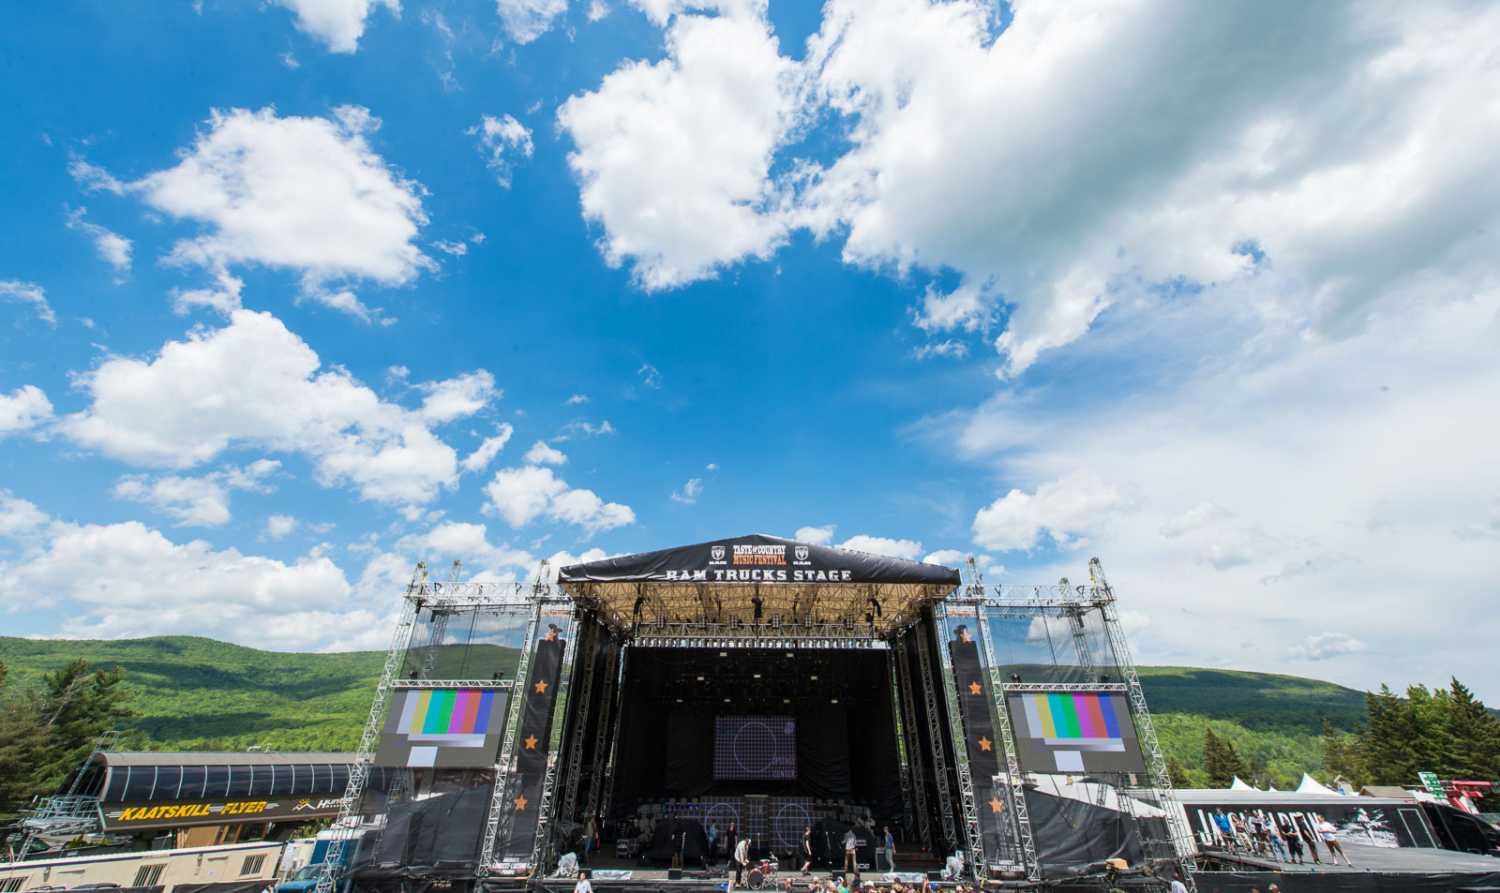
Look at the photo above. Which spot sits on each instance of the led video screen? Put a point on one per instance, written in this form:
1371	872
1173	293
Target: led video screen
753	748
444	728
1074	732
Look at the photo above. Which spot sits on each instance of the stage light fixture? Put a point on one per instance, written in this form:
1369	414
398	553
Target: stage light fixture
835	700
813	678
757	675
723	653
726	700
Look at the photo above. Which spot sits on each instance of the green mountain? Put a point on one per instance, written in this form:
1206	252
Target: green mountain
194	693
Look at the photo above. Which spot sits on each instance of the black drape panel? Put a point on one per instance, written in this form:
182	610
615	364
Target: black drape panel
823	752
874	761
688	748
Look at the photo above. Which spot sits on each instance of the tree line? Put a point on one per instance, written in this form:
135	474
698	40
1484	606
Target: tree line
48	729
1447	731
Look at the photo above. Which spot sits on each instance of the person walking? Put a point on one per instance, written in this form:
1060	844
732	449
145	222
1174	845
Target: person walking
1330	836
890	850
806	849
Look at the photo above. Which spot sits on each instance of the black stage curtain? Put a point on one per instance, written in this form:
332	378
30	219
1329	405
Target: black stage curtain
673	836
1071	834
823	752
689	749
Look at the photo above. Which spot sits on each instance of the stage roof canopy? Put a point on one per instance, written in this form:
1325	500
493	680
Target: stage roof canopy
758	580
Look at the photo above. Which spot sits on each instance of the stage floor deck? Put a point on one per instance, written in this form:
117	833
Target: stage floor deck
1377	858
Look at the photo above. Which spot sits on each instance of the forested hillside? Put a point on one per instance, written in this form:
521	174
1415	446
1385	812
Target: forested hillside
199	693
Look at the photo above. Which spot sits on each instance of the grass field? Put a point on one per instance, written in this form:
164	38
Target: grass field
194	693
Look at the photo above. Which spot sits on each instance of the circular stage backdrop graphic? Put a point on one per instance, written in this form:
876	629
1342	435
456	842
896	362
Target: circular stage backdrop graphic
787	825
755	747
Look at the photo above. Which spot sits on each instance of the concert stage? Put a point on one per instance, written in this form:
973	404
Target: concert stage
670	704
1376	869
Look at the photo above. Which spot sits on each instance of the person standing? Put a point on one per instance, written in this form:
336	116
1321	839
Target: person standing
1177	886
741	860
590	836
731	840
806	849
583	885
890	850
1304	830
1273	835
851	848
713	839
1292	838
1330	836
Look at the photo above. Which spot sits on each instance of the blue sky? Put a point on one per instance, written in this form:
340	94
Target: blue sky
1209	293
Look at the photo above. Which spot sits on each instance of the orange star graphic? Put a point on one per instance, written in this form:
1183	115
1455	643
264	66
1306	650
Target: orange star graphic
520	803
985	744
974	688
531	742
541	686
995	805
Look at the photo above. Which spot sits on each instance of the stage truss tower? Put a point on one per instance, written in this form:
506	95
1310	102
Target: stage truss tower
1075	607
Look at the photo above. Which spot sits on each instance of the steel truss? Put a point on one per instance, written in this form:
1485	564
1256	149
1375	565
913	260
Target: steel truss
359	773
973	836
904	755
1009	602
757	635
601	733
1156	763
541	848
453	683
935	735
587	643
497	821
913	750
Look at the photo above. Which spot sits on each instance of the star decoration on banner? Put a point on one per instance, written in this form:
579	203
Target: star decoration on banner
540	687
531	742
974	688
996	805
521	802
985	744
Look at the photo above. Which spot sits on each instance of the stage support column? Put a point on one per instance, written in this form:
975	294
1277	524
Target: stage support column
1014	788
925	643
576	726
960	721
913	743
599	755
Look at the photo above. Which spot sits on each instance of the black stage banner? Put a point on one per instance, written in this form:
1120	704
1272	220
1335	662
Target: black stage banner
141	816
979	738
757	558
525	792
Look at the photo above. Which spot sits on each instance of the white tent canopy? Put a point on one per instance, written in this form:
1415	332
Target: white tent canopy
1238	785
1311	785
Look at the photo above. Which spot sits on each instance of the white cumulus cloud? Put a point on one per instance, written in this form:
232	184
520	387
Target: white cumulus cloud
520	495
673	158
879	545
1064	509
113	248
489	448
255	384
196	501
29	293
542	454
689	493
818	536
500	141
304	194
23	409
526	20
337	23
